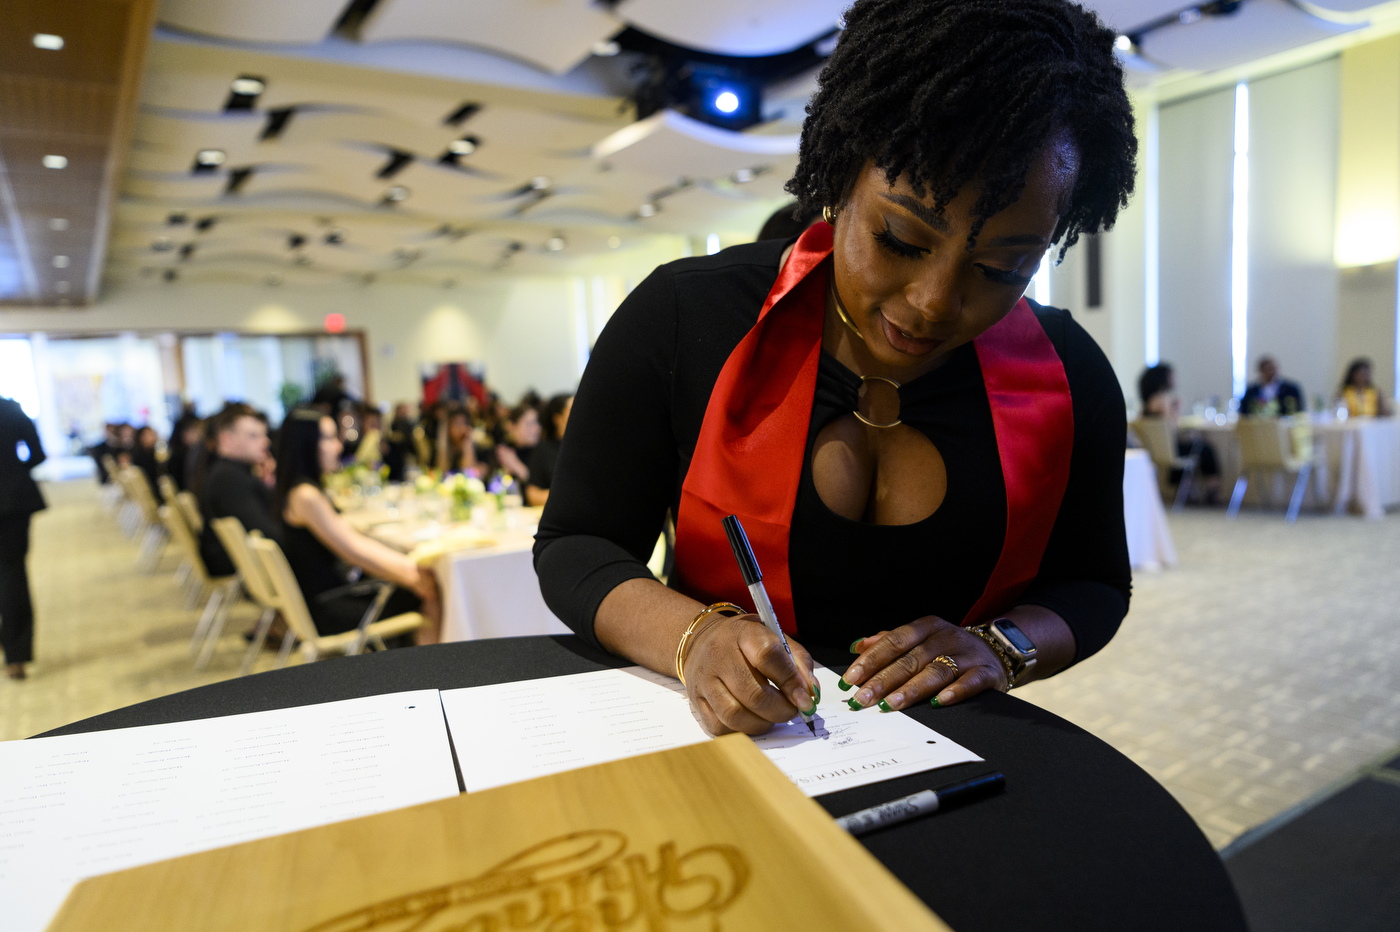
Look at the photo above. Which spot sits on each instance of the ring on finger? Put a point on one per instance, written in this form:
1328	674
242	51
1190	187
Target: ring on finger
949	662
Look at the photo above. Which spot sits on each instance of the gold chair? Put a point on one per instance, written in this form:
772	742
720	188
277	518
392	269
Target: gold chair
292	604
189	507
150	524
223	590
1158	438
234	537
1266	447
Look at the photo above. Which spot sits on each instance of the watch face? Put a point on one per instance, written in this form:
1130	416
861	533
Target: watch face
1015	635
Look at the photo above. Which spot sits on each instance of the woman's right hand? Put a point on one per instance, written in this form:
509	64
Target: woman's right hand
731	666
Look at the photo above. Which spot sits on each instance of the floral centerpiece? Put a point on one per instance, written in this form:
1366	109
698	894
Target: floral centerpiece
463	492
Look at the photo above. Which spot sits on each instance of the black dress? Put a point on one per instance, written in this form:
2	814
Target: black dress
325	584
638	413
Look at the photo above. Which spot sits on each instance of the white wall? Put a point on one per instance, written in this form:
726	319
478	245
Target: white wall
1293	182
1196	151
525	329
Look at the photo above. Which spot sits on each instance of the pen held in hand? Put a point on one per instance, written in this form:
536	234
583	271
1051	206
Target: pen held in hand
753	578
921	804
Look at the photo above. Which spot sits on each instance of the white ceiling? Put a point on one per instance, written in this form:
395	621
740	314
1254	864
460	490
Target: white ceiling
388	84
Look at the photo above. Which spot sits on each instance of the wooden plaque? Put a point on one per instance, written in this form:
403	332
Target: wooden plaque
707	837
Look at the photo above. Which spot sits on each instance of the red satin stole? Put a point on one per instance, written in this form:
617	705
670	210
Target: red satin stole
748	457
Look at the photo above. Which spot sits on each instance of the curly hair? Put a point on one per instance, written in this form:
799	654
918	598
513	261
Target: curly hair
946	92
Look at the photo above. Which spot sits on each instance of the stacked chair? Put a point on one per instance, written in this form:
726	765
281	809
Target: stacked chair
146	521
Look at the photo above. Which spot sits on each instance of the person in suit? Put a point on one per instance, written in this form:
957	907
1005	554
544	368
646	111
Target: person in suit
20	451
230	486
1270	389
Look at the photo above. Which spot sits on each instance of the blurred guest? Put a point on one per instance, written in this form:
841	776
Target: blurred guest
110	446
522	436
126	443
554	418
1157	389
455	450
332	394
143	457
20	451
788	222
230	486
1360	396
398	442
370	452
183	449
1271	395
316	539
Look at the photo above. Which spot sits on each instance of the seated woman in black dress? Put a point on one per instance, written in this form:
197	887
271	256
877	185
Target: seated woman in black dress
929	466
319	543
554	419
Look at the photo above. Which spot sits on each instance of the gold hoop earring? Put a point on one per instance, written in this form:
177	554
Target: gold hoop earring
829	215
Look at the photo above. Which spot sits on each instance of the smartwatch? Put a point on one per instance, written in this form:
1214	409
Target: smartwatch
1019	649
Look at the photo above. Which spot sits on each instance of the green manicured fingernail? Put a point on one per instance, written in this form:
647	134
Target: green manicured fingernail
855	706
884	706
842	684
856	643
816	692
935	703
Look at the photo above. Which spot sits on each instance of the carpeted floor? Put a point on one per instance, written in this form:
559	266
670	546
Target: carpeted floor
1261	670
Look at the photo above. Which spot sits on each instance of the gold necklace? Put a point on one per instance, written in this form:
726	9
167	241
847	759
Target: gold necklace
841	308
846	319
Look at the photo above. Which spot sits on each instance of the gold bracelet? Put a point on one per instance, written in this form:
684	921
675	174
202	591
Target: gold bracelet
726	607
982	632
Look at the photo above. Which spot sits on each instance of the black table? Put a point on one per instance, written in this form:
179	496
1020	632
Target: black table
1082	839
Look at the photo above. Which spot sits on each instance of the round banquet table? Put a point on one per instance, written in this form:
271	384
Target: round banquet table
1082	838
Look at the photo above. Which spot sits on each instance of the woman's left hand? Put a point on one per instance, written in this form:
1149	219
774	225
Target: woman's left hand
897	670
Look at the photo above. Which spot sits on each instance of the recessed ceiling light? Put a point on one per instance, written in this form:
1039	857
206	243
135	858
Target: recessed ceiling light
540	182
247	86
1123	44
210	157
61	287
58	224
743	176
614	242
646	210
47	40
60	262
397	193
55	161
606	48
555	243
464	146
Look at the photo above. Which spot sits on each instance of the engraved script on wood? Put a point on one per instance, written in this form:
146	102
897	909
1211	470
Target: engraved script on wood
581	882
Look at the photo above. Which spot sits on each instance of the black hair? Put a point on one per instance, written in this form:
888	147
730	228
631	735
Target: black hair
789	221
1360	362
552	409
946	92
298	453
1153	380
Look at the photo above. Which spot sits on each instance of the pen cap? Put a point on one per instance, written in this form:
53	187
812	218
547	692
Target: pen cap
739	543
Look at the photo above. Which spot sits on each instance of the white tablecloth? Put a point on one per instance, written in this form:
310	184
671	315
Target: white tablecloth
1356	464
1150	544
494	593
487	592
